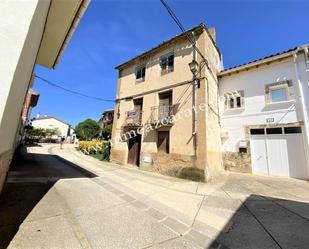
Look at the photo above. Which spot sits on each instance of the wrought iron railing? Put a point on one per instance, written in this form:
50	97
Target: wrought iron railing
161	112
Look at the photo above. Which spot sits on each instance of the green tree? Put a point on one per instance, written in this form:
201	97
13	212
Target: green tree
32	133
49	133
87	130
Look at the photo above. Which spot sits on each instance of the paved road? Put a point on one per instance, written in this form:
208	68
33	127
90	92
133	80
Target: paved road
64	199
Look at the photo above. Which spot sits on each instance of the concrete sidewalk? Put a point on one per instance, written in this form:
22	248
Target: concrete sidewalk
123	207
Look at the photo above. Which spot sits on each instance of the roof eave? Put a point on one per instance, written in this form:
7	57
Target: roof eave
257	63
62	19
161	45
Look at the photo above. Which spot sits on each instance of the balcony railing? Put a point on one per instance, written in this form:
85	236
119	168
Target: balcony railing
161	112
133	118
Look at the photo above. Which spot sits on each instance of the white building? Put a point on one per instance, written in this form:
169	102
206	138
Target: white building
264	115
50	122
31	32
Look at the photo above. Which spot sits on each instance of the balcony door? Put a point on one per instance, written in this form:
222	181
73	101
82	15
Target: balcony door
165	104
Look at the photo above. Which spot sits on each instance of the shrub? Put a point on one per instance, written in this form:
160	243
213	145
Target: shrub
95	147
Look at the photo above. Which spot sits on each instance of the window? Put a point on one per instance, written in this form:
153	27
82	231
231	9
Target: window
165	105
140	73
235	100
290	130
167	63
274	130
242	150
257	131
279	94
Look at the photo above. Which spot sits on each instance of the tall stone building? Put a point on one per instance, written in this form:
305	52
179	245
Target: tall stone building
165	118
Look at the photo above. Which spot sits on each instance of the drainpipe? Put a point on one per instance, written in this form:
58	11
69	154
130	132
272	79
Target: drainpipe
194	98
302	100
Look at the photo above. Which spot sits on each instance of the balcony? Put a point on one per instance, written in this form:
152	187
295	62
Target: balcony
162	112
133	118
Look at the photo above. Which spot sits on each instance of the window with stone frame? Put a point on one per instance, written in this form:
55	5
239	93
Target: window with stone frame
279	92
234	100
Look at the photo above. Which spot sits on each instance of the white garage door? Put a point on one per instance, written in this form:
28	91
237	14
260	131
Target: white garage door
278	152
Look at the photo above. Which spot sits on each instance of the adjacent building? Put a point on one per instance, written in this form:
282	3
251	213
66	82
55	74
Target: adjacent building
106	118
31	32
51	122
264	115
31	101
158	87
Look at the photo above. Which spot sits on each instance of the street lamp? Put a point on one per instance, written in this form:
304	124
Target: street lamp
193	66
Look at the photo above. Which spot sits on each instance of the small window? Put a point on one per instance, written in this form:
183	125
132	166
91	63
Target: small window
167	63
140	73
290	130
231	103
235	100
238	102
274	130
279	94
257	131
242	150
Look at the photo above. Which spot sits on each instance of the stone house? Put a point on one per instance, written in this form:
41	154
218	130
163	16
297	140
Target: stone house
106	118
31	32
264	115
155	125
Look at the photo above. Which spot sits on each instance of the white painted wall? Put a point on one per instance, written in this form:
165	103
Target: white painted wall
51	123
21	29
256	111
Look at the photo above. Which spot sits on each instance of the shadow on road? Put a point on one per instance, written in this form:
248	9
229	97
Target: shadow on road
29	179
266	222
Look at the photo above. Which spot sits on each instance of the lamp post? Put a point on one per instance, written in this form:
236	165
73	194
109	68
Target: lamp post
193	67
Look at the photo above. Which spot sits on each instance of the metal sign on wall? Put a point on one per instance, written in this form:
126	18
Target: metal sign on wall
270	120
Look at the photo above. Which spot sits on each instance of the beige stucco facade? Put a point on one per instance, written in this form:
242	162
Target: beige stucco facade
181	151
23	43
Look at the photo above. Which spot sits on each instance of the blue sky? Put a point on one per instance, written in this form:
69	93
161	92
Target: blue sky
112	32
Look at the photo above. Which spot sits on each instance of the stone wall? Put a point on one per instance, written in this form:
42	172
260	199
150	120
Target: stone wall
237	162
165	163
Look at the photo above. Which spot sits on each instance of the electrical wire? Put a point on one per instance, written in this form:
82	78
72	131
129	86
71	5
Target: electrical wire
72	91
189	36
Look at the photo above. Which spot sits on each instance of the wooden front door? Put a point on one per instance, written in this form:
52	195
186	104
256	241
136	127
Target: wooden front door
134	150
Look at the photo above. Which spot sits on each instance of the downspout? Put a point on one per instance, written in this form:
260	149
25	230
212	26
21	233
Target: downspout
303	106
